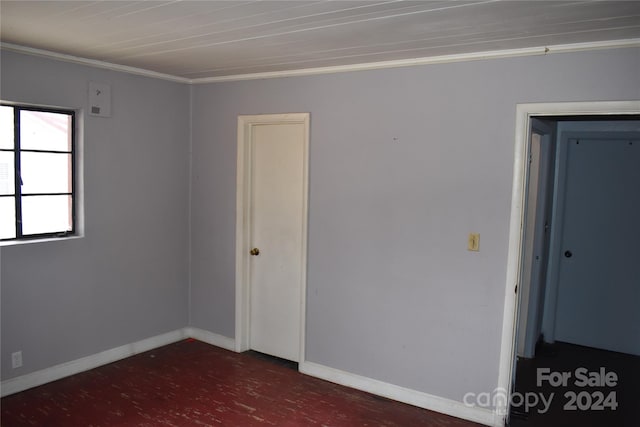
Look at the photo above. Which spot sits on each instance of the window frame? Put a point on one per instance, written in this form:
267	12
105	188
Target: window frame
18	193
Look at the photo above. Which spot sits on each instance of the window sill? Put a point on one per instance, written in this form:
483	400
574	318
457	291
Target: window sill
43	240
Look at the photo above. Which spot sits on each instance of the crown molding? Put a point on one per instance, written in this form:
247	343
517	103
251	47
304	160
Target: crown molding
91	62
473	56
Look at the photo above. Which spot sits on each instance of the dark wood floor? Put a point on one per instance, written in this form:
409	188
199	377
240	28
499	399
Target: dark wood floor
585	411
191	383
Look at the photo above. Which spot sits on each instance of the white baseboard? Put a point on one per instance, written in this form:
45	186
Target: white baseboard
211	338
401	394
34	379
391	391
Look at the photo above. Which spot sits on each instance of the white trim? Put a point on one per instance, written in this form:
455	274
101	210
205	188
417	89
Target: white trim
243	207
380	388
45	240
91	62
34	379
210	338
472	56
242	242
401	394
524	112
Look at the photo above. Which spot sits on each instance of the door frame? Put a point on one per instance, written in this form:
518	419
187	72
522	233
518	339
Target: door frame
246	123
524	113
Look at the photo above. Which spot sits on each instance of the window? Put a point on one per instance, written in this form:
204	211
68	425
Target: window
37	168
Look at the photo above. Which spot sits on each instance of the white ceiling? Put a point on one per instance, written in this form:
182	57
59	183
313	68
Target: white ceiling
205	39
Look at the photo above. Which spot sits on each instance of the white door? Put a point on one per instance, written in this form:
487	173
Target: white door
528	264
275	250
536	237
599	279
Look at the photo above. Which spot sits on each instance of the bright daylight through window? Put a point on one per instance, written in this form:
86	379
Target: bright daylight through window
36	173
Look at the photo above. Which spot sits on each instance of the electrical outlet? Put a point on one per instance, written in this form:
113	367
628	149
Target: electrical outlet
16	359
474	242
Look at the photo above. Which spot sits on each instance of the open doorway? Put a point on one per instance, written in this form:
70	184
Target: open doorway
577	329
580	198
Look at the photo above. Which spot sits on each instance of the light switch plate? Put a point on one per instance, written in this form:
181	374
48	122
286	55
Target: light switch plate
474	242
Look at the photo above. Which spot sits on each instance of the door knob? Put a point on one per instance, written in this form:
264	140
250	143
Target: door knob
255	251
568	254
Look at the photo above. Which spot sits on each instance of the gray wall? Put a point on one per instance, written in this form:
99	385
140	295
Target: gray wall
127	279
393	294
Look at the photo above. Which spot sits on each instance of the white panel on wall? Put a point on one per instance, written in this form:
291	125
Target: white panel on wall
99	99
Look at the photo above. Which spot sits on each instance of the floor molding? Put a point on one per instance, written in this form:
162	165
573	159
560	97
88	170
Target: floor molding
34	379
37	378
401	394
211	338
380	388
